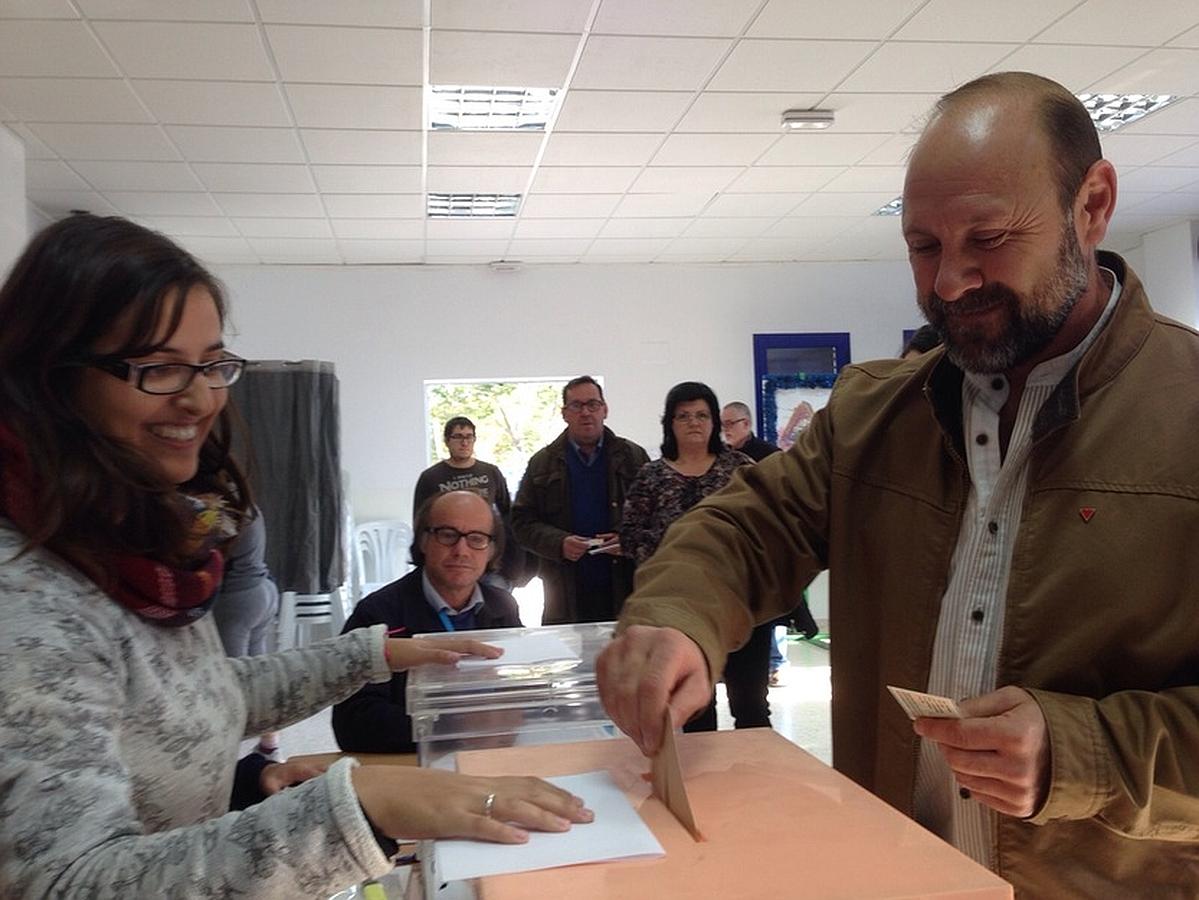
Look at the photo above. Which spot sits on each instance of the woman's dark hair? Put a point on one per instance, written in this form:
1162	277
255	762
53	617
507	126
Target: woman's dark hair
424	516
684	393
74	283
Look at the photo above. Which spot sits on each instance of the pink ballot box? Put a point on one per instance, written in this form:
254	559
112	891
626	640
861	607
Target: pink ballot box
776	822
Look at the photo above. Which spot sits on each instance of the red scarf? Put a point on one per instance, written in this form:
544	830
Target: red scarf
153	590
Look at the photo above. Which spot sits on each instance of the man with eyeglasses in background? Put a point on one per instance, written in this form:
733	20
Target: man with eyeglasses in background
458	536
568	510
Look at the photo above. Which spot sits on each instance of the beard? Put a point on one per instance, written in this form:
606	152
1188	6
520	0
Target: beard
1029	322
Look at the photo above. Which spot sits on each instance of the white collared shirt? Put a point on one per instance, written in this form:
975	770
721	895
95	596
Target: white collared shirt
438	603
966	649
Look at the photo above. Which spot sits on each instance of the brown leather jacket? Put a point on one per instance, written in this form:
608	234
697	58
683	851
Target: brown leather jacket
1102	621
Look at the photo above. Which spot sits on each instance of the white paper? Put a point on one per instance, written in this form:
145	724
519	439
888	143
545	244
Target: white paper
916	704
617	833
527	649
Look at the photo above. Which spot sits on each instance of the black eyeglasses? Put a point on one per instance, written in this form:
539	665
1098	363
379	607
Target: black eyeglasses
461	437
729	423
448	537
590	405
170	378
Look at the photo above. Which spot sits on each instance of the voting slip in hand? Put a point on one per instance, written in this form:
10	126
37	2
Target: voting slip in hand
916	704
666	776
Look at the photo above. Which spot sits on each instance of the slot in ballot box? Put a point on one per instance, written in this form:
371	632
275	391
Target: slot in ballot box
542	690
776	822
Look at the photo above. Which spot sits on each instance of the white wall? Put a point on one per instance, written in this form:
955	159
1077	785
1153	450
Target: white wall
13	222
1171	271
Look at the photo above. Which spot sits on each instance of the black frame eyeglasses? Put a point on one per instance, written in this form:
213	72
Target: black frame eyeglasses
162	379
448	537
590	405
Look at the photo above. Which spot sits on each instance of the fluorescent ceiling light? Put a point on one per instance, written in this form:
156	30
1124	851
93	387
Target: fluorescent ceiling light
462	108
1111	111
894	208
473	206
795	119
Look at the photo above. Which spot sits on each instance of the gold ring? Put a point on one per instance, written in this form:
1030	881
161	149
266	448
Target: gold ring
489	804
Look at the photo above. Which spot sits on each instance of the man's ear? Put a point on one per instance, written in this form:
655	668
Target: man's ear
1094	204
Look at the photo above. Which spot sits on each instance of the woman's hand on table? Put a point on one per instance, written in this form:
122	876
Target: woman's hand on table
406	653
411	803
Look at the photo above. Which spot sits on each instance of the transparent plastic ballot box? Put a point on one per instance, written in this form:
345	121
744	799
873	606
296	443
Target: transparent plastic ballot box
541	691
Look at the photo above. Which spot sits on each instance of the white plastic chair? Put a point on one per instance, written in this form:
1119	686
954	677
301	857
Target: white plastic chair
301	614
380	554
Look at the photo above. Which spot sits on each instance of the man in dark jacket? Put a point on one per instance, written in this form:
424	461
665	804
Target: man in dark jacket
458	535
568	510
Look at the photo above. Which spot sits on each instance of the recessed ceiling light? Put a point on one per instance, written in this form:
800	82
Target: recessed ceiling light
462	108
472	206
894	208
1111	111
796	119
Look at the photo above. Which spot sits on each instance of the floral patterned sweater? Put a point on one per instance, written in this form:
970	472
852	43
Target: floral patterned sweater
661	494
118	741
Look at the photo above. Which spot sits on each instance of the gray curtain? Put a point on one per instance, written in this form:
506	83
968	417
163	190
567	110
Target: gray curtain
291	447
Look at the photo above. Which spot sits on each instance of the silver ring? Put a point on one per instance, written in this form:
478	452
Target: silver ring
489	804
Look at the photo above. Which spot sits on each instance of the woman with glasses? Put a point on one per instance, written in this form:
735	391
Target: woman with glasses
694	463
120	716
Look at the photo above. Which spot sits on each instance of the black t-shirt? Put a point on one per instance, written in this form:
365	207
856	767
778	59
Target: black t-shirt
482	478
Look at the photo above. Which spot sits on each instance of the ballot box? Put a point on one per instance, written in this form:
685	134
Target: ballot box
774	821
541	691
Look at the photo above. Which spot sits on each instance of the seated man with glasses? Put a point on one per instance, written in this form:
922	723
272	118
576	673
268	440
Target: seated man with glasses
458	536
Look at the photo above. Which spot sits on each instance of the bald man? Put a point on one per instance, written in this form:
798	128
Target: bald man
1009	520
459	535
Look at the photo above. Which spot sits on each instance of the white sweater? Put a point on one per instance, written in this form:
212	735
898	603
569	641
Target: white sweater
118	741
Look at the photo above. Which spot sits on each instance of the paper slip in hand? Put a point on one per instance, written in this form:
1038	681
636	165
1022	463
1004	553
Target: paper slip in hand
916	704
666	775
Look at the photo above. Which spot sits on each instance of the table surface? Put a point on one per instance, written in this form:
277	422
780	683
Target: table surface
367	759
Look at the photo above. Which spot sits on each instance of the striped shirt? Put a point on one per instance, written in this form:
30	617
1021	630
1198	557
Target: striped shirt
966	649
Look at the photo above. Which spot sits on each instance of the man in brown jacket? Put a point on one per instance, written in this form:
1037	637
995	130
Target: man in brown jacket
1009	519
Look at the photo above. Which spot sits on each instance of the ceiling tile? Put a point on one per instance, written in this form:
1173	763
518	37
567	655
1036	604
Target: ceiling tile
566	206
464	148
278	206
772	250
347	55
1097	21
685	18
361	13
138	176
558	228
169	10
754	205
952	20
144	142
478	179
638	205
650	63
1187	39
355	106
191	226
702	247
71	100
375	206
1077	68
869	178
214	102
862	19
769	65
379	229
469	229
621	248
924	66
216	52
692	179
821	148
1181	117
511	15
368	179
712	149
645	228
1156	180
211	143
500	59
789	179
363	147
1142	149
145	203
285	228
37	9
60	203
35	147
220	249
712	226
297	250
367	252
811	227
594	179
52	175
621	110
1157	72
1177	204
843	204
482	250
742	113
255	178
1188	156
892	152
61	49
600	149
565	248
880	112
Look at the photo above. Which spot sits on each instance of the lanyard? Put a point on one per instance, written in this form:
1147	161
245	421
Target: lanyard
445	620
